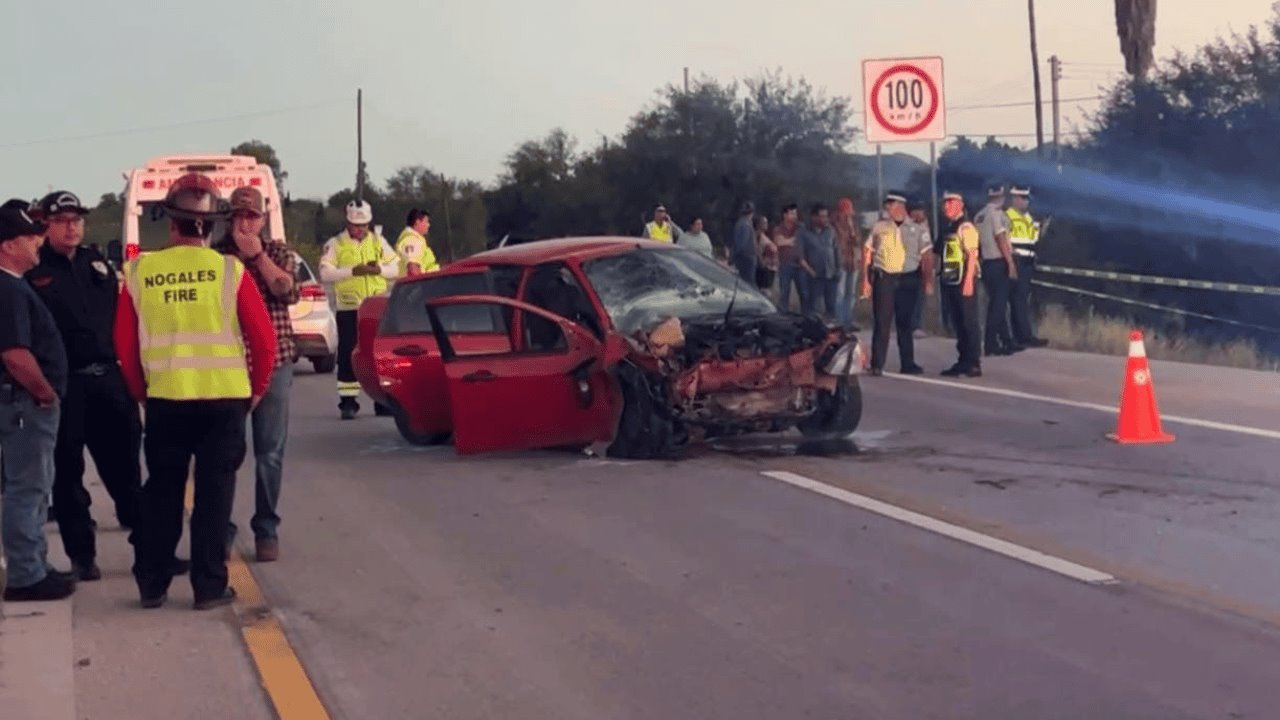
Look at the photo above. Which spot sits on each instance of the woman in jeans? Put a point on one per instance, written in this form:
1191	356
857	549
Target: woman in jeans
766	257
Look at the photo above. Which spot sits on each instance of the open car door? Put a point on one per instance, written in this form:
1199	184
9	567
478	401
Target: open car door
547	391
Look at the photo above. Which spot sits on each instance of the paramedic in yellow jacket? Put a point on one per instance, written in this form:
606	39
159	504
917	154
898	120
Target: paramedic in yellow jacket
358	263
413	247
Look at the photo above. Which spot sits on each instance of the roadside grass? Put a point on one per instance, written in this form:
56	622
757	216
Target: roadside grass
1098	333
1102	334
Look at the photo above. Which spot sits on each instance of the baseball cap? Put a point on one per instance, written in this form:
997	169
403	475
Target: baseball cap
248	199
61	201
15	222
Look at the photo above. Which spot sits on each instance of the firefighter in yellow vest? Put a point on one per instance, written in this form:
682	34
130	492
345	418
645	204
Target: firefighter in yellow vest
661	228
1024	234
957	246
358	262
412	245
196	345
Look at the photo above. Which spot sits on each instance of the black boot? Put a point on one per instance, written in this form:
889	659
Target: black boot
348	407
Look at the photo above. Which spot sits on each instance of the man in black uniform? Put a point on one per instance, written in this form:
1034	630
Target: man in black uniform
957	246
80	287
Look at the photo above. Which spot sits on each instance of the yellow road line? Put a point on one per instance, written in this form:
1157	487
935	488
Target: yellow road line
279	669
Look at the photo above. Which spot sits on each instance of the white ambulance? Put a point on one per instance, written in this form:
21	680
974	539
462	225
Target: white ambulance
145	227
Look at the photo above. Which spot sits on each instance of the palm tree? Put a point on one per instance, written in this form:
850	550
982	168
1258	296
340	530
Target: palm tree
1136	26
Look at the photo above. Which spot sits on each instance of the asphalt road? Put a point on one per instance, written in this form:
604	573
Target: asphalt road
413	583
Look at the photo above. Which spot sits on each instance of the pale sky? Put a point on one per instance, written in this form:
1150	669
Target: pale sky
96	88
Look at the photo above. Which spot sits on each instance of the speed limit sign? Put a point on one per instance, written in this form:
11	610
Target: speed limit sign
903	100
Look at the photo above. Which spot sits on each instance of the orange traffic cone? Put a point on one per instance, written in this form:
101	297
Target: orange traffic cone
1139	420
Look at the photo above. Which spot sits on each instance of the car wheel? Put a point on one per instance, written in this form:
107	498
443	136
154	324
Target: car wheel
417	438
324	364
838	413
645	431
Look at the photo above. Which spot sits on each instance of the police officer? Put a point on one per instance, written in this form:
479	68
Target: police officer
358	262
184	319
897	260
1024	233
79	287
958	247
413	247
661	228
33	374
998	271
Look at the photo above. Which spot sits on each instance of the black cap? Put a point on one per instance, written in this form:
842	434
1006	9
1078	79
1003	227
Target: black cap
995	191
895	196
61	201
15	222
16	204
1020	191
915	205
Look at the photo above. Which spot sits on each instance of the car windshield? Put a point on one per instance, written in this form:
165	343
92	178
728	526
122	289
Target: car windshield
645	286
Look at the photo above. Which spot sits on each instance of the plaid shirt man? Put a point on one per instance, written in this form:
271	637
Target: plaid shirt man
277	306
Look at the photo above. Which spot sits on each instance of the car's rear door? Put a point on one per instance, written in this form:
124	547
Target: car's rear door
544	392
409	366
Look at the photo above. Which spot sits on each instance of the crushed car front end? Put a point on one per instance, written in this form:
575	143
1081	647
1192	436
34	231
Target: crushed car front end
754	373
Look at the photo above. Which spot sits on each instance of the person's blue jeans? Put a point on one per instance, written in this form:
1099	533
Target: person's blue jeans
270	430
848	297
788	275
28	435
820	290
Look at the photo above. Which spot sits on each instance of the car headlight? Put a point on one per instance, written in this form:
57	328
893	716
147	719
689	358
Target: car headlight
847	360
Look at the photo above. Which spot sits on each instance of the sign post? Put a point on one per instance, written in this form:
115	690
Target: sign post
904	101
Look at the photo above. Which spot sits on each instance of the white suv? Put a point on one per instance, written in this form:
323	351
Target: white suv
314	325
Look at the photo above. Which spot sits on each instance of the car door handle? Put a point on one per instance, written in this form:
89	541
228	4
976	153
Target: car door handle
479	376
409	350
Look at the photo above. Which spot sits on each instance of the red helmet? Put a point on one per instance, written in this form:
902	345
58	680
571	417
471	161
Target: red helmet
195	197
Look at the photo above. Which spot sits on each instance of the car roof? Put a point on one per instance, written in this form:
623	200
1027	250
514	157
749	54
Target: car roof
559	249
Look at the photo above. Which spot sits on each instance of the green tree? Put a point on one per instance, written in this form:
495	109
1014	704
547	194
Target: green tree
266	155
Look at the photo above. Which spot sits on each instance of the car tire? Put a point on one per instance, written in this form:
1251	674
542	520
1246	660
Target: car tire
838	413
646	430
416	438
324	364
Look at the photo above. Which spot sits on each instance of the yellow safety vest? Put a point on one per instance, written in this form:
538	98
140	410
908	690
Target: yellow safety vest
953	252
890	252
188	325
1023	234
412	247
654	231
349	253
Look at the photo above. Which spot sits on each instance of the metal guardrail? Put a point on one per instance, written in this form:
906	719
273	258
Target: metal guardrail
1160	281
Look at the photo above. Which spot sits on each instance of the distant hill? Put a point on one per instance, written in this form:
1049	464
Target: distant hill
898	169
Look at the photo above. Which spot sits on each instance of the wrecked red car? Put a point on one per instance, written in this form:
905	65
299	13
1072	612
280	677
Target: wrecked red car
566	343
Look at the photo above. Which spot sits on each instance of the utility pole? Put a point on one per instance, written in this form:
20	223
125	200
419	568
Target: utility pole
1055	74
1035	70
686	80
360	144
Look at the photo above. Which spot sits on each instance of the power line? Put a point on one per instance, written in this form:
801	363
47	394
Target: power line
153	128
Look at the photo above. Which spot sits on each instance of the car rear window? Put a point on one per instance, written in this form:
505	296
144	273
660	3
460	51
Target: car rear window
406	312
302	271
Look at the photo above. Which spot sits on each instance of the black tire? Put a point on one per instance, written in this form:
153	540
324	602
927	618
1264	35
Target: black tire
646	430
324	364
838	413
417	438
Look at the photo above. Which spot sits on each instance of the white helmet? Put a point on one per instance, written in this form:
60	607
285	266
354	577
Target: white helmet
359	212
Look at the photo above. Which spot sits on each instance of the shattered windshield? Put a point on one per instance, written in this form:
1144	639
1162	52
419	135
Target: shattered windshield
644	287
